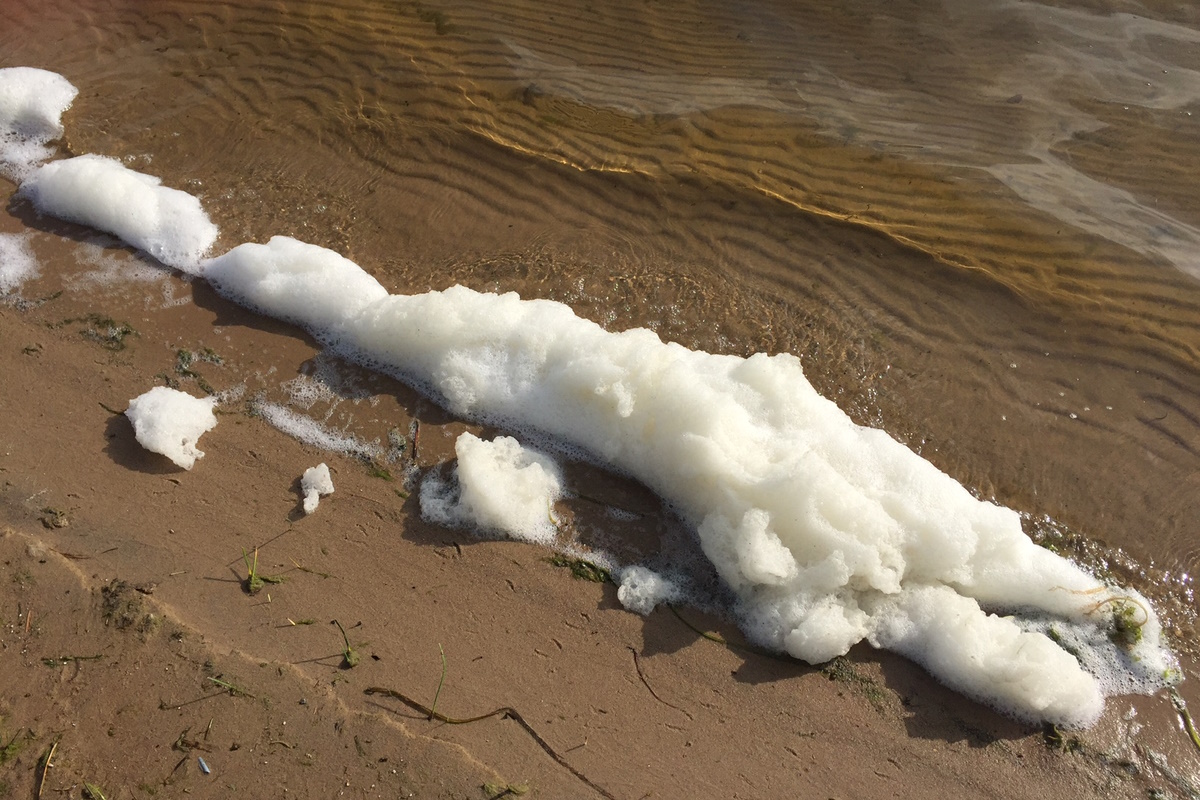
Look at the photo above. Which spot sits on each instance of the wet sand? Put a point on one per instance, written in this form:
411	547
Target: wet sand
887	226
640	707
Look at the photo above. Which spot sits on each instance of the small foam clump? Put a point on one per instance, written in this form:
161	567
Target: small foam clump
171	422
32	102
103	193
17	262
501	487
641	589
313	484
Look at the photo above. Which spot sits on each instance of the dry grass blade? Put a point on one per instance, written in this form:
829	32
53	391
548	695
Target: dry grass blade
43	768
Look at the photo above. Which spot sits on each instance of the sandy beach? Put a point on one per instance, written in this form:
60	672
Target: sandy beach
125	604
918	227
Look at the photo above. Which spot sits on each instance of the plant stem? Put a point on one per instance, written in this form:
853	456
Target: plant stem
433	709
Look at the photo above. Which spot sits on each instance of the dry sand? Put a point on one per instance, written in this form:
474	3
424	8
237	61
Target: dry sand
126	620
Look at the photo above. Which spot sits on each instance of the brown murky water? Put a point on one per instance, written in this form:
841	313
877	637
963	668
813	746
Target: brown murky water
976	223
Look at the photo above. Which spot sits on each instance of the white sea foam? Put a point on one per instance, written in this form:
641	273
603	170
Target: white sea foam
169	224
313	483
295	282
32	102
305	392
170	422
829	533
498	486
311	432
641	589
17	261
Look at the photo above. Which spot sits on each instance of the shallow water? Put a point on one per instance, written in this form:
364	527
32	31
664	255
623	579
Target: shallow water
976	227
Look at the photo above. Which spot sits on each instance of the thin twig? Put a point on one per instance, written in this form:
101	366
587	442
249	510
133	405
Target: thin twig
349	656
163	705
258	547
232	689
721	640
44	768
506	712
63	660
637	663
712	637
433	708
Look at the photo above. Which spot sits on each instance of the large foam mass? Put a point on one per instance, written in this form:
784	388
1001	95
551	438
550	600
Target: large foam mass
103	193
830	533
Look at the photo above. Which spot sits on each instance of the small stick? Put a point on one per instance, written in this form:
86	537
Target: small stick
264	544
303	568
719	639
637	663
232	689
507	712
44	768
163	705
712	637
